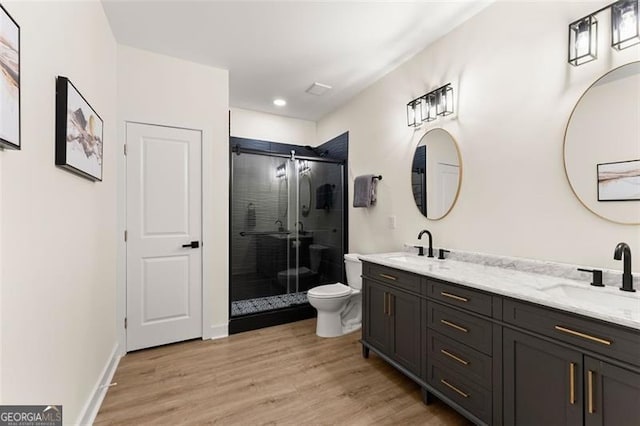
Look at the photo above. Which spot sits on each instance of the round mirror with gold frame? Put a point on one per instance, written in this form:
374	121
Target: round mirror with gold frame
602	146
436	174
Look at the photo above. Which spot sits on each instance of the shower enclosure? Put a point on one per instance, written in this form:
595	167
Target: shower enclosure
286	233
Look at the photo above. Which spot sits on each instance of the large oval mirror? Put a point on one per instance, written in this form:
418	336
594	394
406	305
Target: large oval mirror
602	146
436	173
305	194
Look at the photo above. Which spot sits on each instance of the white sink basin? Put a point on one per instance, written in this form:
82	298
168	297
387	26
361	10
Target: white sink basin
403	258
600	296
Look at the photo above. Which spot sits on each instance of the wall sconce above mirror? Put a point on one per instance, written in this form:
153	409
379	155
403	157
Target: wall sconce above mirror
583	33
428	107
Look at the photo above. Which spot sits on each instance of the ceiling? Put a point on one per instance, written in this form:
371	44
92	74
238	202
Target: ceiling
280	48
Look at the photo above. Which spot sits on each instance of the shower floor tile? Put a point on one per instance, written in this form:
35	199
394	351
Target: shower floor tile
262	304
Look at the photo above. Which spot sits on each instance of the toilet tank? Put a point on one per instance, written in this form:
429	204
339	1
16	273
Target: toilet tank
353	265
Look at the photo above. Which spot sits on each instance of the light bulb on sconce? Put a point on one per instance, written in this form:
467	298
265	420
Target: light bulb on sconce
583	36
445	100
625	27
413	119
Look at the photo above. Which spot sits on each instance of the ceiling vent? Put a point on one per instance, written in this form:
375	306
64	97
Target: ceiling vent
318	89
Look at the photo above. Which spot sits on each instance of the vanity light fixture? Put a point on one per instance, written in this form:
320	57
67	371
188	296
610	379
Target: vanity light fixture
583	33
281	171
428	107
625	26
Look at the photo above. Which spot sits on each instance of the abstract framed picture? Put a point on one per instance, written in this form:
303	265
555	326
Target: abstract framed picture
9	81
79	132
619	181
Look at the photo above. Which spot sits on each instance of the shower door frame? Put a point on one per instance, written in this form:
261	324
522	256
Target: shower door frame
292	313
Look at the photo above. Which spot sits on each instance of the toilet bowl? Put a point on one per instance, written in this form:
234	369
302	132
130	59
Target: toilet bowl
339	306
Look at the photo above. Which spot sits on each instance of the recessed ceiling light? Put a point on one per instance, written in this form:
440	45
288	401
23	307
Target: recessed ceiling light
279	102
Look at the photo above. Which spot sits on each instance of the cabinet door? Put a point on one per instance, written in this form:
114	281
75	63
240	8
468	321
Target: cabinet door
612	394
542	382
406	338
377	323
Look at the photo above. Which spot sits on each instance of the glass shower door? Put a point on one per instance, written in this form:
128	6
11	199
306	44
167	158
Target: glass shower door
286	230
263	237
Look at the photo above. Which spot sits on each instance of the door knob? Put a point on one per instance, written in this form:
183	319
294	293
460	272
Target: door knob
192	244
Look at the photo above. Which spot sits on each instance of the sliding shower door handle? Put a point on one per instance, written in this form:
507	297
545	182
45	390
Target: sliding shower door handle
192	244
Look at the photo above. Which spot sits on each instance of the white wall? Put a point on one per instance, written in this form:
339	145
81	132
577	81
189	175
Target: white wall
158	89
57	229
274	128
515	92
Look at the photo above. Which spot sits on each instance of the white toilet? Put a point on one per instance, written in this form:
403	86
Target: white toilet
339	306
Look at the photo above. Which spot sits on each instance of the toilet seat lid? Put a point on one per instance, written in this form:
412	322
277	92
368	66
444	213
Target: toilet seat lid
330	290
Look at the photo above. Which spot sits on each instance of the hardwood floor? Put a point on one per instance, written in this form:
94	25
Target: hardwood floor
279	375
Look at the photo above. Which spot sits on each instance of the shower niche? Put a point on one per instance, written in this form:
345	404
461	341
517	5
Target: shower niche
287	231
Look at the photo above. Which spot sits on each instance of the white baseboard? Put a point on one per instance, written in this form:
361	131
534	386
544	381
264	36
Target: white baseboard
218	332
92	406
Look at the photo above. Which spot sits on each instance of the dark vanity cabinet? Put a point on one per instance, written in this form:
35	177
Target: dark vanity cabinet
498	360
612	394
542	382
392	324
581	371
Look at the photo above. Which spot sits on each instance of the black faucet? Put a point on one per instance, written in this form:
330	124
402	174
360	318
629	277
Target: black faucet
421	252
301	229
280	228
624	251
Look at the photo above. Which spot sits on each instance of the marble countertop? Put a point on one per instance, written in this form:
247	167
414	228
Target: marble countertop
603	303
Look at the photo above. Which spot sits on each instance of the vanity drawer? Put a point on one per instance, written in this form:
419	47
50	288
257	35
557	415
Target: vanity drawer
459	358
464	298
465	328
460	390
394	277
610	340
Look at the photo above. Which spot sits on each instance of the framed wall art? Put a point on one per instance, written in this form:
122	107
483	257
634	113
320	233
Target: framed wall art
79	132
619	181
9	81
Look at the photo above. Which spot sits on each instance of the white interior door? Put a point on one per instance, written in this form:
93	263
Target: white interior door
447	183
164	268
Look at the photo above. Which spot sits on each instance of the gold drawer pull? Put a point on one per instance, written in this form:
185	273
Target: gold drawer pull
584	336
452	356
453	388
572	383
389	277
452	325
590	391
453	296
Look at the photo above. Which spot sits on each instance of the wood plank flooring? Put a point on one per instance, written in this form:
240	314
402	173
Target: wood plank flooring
283	375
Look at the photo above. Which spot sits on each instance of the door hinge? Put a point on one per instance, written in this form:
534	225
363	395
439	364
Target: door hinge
125	149
126	234
125	322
